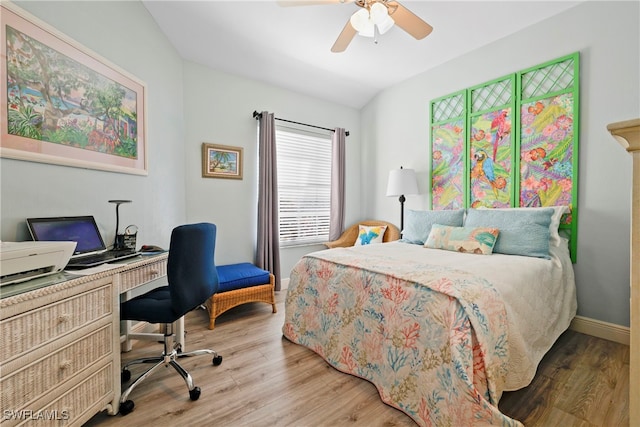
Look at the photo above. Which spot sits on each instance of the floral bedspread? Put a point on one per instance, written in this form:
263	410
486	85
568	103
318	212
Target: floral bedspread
432	339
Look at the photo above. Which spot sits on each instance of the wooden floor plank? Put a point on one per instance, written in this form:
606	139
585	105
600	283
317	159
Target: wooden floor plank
617	411
266	380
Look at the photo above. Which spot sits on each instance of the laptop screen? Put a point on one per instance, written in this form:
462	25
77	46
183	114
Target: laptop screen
80	229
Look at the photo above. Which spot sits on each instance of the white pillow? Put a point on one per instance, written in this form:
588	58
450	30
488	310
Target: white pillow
369	234
558	211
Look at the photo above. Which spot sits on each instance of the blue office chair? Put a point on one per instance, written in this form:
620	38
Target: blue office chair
192	278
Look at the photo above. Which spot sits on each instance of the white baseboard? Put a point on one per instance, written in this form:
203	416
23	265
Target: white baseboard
600	329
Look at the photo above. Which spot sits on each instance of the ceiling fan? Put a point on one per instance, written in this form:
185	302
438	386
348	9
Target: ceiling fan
374	17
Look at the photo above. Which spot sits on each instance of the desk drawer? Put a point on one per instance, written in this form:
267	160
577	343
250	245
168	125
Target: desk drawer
25	332
27	384
71	407
88	397
141	275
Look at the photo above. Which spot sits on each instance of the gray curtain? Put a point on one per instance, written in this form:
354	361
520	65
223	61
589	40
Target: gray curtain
336	225
268	248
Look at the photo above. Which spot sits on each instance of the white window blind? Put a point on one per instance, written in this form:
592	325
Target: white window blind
304	186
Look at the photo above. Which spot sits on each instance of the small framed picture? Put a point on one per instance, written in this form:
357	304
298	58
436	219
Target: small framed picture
221	161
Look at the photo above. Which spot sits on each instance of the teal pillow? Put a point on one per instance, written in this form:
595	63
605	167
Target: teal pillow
417	224
522	232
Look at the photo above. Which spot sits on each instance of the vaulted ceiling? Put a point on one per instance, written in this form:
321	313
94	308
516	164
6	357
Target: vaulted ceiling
290	46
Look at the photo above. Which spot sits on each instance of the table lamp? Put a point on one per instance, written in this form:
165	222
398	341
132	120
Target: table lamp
118	242
401	182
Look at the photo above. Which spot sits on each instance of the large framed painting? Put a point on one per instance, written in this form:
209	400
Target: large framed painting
63	104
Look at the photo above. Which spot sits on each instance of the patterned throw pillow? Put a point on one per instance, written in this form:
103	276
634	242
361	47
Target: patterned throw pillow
478	240
370	234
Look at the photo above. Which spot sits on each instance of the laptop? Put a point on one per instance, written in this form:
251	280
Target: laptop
90	249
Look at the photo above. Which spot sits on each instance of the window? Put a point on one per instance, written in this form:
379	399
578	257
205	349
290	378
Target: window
304	186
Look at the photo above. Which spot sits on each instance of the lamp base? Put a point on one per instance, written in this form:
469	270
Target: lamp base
118	245
125	242
402	199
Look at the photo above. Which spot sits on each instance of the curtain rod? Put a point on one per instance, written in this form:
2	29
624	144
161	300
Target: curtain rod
257	115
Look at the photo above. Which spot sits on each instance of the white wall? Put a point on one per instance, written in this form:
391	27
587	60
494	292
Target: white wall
188	104
606	35
124	34
203	105
218	109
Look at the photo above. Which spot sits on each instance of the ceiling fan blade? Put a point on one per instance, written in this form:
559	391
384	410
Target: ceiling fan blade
287	3
345	37
408	21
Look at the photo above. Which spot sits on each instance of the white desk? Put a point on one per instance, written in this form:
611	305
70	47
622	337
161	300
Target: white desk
60	352
141	274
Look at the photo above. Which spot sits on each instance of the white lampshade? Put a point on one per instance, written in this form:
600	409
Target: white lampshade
379	15
367	30
359	19
385	24
378	12
401	182
362	23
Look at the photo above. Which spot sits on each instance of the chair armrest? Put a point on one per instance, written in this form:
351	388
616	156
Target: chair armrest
342	242
349	236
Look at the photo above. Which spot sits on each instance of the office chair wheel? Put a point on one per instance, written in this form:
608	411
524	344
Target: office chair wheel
126	407
125	376
217	360
193	394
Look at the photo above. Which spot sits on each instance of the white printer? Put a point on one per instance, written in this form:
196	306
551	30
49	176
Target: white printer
20	261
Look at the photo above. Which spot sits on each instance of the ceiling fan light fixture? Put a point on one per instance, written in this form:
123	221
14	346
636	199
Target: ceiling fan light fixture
385	25
378	12
365	20
362	23
376	17
360	19
368	30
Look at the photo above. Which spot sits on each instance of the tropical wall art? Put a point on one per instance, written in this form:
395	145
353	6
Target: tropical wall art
221	161
448	153
510	142
64	104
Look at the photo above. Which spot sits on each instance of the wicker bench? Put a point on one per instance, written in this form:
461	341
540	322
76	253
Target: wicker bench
240	284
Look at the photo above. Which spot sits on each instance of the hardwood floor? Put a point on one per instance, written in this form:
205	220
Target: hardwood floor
581	381
265	380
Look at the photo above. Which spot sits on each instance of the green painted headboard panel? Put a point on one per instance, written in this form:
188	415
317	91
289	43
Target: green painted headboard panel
510	142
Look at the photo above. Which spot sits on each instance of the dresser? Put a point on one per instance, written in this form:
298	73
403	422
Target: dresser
627	133
60	352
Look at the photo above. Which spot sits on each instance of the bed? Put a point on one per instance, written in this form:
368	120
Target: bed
440	333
